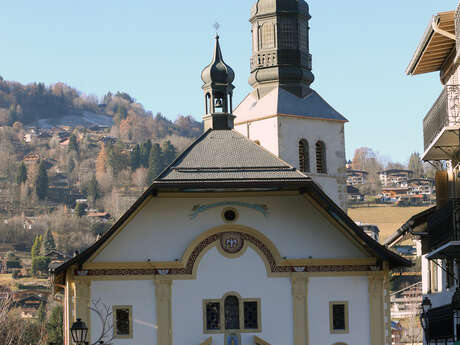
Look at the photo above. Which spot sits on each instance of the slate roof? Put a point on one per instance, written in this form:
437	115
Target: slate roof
226	155
282	102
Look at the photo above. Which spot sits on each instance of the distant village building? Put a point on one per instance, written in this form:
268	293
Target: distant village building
356	177
233	245
371	230
395	177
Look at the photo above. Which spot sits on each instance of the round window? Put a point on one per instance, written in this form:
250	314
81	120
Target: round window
229	215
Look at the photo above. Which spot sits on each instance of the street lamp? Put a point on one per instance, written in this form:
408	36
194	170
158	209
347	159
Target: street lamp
426	305
79	332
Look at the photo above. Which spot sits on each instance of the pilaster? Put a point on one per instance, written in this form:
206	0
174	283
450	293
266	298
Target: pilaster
163	308
376	310
299	284
82	300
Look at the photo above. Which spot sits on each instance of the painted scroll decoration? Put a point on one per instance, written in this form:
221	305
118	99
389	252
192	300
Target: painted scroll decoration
197	209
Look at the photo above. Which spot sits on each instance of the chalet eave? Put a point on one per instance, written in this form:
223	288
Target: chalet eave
447	251
444	146
434	48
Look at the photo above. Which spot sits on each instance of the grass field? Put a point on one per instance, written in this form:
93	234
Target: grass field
387	218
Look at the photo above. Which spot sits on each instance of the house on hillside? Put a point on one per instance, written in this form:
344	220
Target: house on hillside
31	158
437	230
232	244
421	186
395	178
356	177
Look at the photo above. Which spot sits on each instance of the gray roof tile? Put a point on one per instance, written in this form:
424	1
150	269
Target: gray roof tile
227	155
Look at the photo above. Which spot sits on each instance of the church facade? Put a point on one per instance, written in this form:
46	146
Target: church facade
235	242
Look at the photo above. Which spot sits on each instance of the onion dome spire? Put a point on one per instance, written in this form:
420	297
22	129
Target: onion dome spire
218	71
218	91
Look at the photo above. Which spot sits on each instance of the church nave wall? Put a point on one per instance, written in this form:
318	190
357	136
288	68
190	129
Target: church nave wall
246	276
139	295
352	290
293	225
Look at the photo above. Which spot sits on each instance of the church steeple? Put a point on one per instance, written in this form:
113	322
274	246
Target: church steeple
281	54
218	92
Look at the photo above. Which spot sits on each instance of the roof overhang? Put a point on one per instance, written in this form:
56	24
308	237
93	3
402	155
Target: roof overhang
444	146
449	250
436	45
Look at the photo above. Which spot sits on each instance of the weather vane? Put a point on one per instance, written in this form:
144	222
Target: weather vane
217	27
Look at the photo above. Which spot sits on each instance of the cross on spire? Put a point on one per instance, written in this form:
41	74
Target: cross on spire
216	27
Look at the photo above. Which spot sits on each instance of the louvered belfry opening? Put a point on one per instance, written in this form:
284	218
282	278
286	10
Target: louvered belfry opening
321	167
304	157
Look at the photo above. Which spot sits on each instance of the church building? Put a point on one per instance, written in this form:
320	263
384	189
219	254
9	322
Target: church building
243	239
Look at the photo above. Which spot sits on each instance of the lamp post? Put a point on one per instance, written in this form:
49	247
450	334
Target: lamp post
426	305
79	332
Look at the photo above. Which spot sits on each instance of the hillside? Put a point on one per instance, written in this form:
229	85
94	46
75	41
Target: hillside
72	164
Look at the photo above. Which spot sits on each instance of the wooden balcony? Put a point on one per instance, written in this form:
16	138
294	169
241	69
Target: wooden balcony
441	126
444	231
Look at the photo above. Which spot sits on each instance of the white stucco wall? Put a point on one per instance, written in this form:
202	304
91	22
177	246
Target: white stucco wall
265	131
292	130
247	276
140	294
354	290
281	135
163	229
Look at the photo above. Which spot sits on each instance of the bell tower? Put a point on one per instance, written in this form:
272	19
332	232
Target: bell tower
281	53
283	113
218	92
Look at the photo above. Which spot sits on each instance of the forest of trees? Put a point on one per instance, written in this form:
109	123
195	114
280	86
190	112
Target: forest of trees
106	170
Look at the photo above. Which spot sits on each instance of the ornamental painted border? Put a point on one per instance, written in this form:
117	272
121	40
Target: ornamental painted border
209	241
197	209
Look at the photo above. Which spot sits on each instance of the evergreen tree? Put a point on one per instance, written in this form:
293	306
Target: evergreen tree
22	174
169	153
145	153
41	183
41	314
48	243
135	157
416	165
155	163
54	325
93	189
35	251
73	144
70	165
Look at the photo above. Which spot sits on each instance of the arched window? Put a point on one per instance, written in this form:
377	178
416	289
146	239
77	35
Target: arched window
304	157
321	167
232	312
268	36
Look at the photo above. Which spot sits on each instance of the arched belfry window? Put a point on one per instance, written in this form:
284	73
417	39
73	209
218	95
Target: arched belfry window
268	36
232	312
321	167
304	157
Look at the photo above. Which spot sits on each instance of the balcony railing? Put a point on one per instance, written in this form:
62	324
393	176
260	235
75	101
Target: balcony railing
444	225
445	112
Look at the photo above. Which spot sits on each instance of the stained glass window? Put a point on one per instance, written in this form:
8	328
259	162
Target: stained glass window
213	316
338	317
251	315
232	312
122	322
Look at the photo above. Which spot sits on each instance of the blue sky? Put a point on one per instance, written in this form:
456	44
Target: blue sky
155	51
